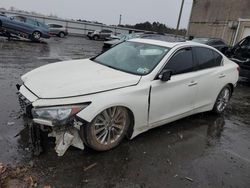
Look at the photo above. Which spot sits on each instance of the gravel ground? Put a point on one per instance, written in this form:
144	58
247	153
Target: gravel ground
203	150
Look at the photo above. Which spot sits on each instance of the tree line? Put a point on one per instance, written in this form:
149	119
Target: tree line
155	27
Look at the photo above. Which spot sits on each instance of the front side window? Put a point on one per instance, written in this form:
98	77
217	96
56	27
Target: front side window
133	57
207	58
181	62
20	19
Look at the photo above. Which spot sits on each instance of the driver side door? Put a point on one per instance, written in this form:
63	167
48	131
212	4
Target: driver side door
174	99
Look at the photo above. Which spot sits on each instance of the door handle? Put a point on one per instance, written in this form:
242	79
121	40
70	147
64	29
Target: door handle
222	75
192	83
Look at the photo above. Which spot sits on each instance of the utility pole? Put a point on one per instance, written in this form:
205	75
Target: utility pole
120	20
179	19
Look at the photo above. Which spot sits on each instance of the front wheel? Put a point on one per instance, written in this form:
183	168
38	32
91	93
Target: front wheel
222	100
36	35
107	129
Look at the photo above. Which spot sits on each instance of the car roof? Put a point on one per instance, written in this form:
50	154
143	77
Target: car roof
170	44
163	43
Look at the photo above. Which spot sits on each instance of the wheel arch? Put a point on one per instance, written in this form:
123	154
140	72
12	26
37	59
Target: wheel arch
127	107
231	87
61	32
37	31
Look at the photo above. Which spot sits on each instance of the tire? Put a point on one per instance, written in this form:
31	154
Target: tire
108	129
61	34
1	24
222	100
96	37
36	35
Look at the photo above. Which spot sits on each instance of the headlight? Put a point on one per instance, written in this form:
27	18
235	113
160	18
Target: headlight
57	114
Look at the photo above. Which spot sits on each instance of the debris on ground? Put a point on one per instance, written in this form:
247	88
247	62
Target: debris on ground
11	123
16	177
189	179
176	175
169	162
180	135
89	167
85	181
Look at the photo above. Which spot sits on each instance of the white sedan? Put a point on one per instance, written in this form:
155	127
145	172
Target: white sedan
133	87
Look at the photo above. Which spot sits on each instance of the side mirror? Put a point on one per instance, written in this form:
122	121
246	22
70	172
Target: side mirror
11	18
165	75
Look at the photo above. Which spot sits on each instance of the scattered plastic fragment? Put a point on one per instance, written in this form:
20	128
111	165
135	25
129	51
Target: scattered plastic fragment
11	123
89	167
189	179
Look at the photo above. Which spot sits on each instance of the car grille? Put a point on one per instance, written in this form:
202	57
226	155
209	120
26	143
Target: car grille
25	104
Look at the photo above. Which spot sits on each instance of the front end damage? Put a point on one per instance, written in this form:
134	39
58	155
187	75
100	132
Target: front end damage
65	129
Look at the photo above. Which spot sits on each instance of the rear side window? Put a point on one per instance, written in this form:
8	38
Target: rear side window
217	58
207	58
55	26
181	62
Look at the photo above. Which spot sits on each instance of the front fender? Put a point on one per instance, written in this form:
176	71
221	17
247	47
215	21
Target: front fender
134	98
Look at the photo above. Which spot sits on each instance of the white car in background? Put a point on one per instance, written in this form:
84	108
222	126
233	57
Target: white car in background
135	86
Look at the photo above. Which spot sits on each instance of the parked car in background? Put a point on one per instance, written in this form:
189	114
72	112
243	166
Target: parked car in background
219	44
240	54
99	34
133	87
162	37
113	37
123	37
58	30
24	27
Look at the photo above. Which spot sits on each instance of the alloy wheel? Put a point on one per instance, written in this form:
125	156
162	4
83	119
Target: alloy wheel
109	125
36	35
223	99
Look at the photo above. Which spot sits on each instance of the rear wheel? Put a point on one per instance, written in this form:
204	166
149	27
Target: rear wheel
108	129
61	34
222	100
96	37
36	35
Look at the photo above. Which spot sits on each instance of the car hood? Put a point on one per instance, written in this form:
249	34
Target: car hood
75	78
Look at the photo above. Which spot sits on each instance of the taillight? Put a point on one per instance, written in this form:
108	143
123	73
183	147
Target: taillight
238	68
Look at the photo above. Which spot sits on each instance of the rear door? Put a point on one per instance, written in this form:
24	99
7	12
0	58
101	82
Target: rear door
210	76
176	96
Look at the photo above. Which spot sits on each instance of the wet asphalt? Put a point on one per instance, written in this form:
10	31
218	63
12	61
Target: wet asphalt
204	150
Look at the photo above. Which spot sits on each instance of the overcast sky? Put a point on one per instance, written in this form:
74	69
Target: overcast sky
108	11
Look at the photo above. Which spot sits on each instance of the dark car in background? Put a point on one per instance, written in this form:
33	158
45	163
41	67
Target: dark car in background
99	34
240	54
24	27
58	30
217	43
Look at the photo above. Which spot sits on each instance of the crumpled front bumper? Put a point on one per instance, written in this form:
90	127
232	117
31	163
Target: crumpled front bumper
65	135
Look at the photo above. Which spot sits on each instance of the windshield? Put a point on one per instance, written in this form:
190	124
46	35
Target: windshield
133	57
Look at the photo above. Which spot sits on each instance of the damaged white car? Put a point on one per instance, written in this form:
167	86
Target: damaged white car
135	86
